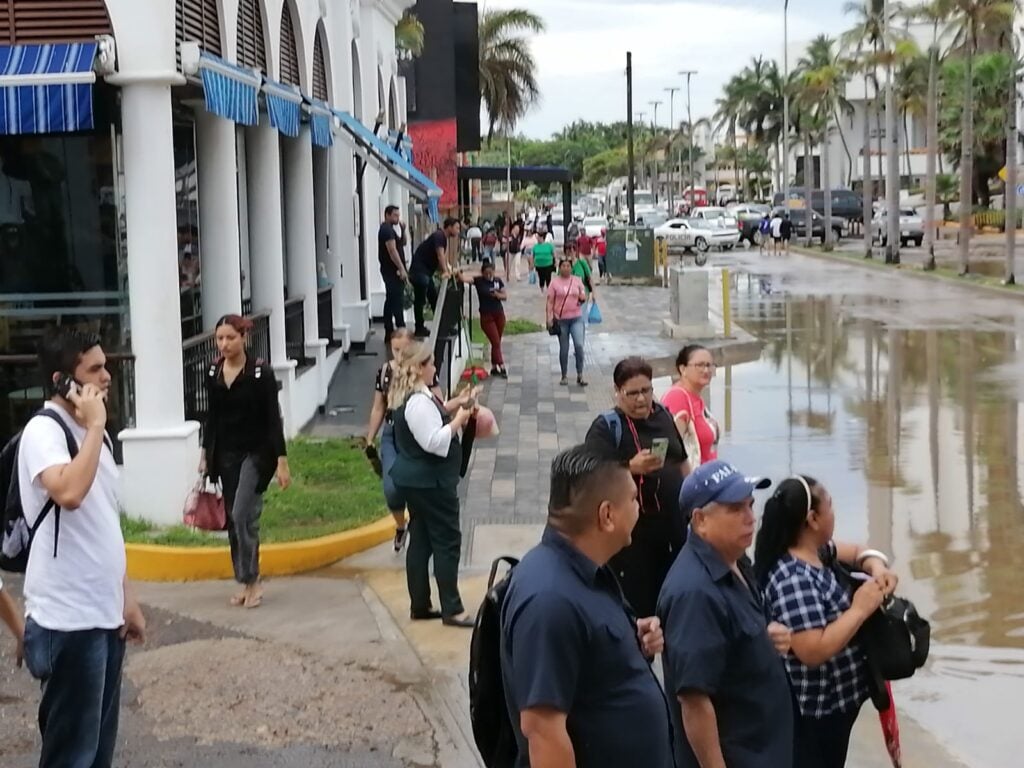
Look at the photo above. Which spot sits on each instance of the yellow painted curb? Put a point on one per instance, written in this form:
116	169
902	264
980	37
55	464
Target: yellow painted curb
152	562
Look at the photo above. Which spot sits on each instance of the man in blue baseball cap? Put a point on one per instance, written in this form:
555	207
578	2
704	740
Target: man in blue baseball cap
723	668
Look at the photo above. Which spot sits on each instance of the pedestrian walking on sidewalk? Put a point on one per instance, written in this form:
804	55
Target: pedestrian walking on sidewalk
566	298
381	416
243	447
684	401
640	432
79	606
786	232
430	257
392	271
491	292
575	658
827	668
426	473
515	251
776	226
544	261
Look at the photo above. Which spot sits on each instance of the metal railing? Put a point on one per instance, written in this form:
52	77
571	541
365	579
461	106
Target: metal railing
295	331
325	316
23	388
199	353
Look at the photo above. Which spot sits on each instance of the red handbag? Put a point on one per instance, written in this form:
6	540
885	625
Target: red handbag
204	507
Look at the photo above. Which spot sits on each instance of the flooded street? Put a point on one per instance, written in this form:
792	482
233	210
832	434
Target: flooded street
903	397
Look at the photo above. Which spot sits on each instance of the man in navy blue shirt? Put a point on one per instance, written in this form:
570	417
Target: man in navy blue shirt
429	257
574	658
723	669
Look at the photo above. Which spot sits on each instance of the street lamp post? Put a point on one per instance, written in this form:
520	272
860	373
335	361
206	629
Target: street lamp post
785	103
671	159
654	155
892	165
688	73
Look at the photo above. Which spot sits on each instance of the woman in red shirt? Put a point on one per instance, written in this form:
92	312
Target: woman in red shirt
696	368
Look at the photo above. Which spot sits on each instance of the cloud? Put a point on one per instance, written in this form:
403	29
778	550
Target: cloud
582	56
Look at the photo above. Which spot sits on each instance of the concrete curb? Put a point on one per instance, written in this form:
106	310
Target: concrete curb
913	272
152	562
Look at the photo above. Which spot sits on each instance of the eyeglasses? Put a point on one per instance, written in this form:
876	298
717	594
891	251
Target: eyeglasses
703	366
634	394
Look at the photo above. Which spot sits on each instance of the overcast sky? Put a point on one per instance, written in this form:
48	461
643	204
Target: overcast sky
582	56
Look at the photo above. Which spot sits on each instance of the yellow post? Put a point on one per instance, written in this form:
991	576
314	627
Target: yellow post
726	306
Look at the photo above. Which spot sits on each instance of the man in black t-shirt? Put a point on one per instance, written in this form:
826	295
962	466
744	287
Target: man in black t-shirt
392	270
430	257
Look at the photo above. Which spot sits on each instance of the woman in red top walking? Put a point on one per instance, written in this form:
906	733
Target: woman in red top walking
696	369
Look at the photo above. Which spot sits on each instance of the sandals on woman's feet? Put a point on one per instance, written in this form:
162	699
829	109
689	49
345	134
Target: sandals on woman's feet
253	599
237	600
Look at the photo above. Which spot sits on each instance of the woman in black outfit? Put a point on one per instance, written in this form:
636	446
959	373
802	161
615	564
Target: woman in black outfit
641	431
243	447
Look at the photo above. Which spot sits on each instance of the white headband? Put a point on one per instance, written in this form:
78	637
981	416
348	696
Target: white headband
807	488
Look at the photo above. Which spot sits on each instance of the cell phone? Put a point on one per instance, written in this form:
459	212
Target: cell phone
64	385
659	447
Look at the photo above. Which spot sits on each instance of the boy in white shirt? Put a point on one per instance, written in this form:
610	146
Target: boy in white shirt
78	608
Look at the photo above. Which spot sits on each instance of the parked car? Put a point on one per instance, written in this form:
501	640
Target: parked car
749	216
799	218
845	203
723	216
697	234
595	225
911	227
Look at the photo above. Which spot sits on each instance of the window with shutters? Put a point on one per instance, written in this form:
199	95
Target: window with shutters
289	54
198	20
252	51
52	21
320	90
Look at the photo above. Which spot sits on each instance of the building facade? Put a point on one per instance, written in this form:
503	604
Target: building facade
170	161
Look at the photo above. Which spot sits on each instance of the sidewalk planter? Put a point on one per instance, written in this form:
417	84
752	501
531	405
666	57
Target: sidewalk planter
151	562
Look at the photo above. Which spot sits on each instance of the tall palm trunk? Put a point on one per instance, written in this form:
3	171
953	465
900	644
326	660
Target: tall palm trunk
967	160
868	192
906	146
808	187
736	157
846	146
825	187
933	151
1011	172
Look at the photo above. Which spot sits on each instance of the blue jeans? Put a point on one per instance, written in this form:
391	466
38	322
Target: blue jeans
80	673
394	498
424	291
577	329
394	312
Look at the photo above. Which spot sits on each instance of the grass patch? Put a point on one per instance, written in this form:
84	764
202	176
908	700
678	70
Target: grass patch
333	489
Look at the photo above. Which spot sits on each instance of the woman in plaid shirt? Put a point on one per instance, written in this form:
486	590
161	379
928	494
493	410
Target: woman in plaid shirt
826	667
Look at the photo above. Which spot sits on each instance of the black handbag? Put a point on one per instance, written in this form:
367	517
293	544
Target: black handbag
553	328
895	639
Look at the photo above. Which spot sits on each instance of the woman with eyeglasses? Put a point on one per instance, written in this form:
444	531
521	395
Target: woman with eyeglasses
684	401
641	432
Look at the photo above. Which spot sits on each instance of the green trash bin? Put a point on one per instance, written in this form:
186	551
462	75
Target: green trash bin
631	252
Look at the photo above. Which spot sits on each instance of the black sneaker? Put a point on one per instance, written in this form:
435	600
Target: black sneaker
400	538
580	381
503	372
495	371
422	333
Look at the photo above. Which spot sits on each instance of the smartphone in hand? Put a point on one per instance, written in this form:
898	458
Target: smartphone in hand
659	447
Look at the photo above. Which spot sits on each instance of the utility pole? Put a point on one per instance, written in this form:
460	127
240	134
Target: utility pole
785	104
1010	199
689	119
892	157
631	181
671	157
654	154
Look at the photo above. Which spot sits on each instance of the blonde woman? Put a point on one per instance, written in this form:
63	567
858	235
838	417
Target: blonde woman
426	473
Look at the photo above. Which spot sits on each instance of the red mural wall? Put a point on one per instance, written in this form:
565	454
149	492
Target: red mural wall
433	146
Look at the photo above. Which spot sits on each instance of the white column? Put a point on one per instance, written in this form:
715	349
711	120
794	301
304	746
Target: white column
299	231
161	451
266	243
373	215
218	216
351	313
321	171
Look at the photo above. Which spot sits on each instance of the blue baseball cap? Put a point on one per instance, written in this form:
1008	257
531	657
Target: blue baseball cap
717	481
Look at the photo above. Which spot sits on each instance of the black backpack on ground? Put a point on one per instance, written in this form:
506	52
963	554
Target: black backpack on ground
488	710
16	534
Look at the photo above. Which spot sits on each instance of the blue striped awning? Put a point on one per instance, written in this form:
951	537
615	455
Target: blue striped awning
46	88
230	91
284	107
320	123
417	182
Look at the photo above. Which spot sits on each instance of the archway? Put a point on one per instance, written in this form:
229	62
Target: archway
322	85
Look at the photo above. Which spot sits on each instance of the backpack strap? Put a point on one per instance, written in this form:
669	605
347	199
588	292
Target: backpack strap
72	452
614	422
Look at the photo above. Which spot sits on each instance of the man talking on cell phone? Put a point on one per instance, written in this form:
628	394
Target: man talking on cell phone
79	608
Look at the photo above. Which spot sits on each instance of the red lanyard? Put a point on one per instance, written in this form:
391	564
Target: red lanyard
642	478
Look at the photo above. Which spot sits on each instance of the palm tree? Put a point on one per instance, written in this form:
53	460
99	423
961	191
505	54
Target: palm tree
973	19
409	36
508	71
936	13
911	94
727	114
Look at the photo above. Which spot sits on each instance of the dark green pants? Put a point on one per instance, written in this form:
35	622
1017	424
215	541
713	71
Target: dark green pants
433	532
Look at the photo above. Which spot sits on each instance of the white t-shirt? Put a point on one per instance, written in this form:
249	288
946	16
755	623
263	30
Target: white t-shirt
777	226
83	586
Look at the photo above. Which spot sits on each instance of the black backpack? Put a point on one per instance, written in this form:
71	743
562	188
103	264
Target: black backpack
16	534
488	710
